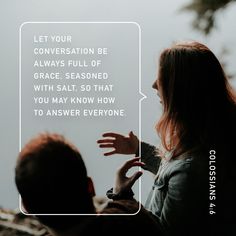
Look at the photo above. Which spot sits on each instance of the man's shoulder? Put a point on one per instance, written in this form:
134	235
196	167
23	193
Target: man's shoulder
126	207
129	216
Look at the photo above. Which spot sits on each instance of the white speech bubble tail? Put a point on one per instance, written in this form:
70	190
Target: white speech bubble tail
143	96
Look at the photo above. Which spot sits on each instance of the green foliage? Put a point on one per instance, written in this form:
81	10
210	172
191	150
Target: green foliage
206	12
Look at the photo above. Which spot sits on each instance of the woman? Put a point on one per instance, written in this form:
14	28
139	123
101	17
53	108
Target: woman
194	168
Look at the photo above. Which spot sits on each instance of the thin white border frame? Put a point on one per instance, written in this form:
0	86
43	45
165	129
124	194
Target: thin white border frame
140	100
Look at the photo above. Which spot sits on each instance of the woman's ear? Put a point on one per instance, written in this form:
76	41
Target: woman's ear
91	189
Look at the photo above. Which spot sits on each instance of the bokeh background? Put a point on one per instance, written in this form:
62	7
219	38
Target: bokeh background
162	23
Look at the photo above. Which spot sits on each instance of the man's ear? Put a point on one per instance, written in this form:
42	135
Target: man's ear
91	189
23	207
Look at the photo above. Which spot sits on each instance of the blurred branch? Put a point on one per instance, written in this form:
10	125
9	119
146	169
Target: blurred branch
205	13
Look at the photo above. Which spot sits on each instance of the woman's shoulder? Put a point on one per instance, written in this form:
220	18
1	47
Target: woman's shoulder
187	162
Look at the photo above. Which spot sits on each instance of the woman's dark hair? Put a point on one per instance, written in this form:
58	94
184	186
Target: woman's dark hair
199	105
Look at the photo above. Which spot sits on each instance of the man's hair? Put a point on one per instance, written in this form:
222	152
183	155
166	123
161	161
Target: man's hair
52	179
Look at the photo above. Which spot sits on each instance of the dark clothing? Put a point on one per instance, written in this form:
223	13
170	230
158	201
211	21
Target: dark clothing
120	217
136	222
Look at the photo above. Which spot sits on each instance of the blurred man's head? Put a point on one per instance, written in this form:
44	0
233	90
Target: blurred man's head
52	178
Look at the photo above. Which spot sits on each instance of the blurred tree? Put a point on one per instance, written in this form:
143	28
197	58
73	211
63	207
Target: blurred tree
204	21
205	12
